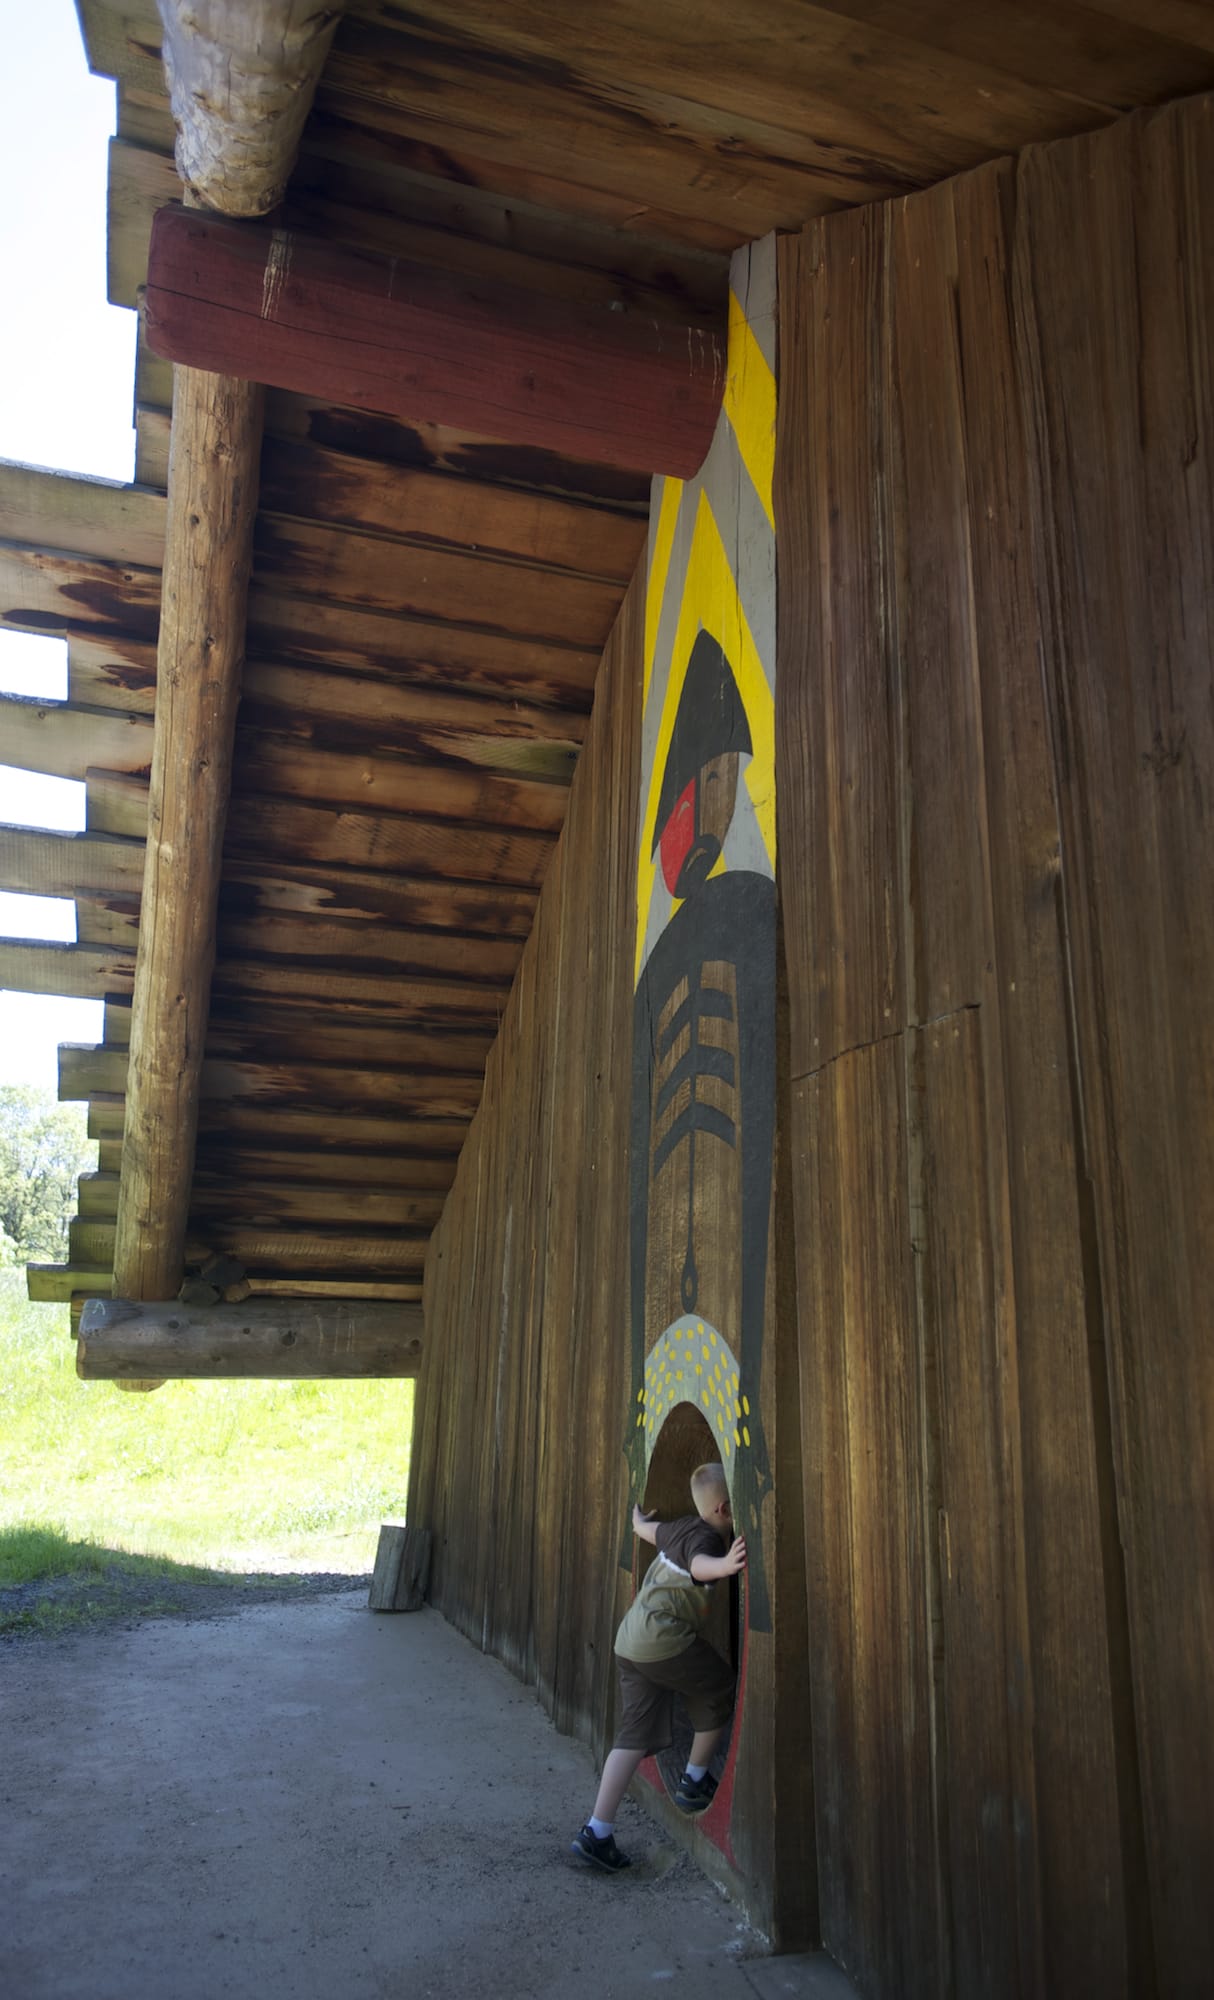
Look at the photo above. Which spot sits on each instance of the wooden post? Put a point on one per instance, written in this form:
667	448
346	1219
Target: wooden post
213	465
242	74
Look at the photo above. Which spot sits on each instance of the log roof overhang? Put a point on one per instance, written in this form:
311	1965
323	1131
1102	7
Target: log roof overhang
427	603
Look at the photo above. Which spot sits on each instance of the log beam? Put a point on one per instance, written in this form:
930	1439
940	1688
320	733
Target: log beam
212	501
68	971
432	346
290	1339
241	75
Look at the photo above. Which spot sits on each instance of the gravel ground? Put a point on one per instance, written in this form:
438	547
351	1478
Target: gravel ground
304	1799
308	1800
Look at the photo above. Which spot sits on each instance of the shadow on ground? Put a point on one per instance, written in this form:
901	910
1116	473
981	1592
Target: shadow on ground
84	1583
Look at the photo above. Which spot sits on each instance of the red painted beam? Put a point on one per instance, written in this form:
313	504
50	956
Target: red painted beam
379	333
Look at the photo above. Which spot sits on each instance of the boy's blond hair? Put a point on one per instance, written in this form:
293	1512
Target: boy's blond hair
708	1486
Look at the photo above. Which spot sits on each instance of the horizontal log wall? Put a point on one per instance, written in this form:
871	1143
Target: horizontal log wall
995	501
517	1466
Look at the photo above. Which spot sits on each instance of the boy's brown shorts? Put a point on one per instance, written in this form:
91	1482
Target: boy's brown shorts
699	1674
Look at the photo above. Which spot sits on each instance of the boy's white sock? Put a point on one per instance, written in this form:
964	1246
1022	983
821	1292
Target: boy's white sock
600	1828
696	1771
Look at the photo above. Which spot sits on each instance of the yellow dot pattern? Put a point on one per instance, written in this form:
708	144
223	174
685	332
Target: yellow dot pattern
691	1363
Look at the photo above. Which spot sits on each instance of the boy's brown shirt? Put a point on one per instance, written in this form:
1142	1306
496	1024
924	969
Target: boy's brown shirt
669	1609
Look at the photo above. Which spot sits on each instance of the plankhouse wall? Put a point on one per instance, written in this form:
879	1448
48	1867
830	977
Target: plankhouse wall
852	1117
995	753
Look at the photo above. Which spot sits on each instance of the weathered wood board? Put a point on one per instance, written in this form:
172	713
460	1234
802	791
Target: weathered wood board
521	1405
384	333
269	1339
402	1569
1114	272
994	508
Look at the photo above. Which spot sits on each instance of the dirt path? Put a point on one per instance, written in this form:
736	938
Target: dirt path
306	1801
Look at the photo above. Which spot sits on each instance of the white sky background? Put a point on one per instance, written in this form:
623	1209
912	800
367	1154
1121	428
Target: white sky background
67	367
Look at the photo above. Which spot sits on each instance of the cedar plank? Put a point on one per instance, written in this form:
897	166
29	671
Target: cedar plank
836	781
505	523
1114	250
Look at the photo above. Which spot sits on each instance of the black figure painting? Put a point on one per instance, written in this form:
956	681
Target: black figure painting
703	1098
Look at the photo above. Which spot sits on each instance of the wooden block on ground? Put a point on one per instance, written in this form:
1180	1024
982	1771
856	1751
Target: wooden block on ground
402	1569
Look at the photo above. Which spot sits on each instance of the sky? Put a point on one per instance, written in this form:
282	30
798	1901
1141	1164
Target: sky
67	367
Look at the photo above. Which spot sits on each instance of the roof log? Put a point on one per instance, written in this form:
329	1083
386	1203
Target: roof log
422	343
242	75
268	1338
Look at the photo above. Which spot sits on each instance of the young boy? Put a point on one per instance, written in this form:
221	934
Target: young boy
660	1653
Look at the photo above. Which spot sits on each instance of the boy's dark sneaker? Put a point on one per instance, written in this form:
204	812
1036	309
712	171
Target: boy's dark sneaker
695	1795
601	1853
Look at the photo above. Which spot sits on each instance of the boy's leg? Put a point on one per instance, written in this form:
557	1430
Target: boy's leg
596	1841
619	1771
645	1721
707	1686
703	1748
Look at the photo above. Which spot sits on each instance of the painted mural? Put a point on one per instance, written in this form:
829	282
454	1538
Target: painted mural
703	1102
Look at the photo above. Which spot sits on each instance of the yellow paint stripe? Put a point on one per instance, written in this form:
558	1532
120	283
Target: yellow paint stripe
750	405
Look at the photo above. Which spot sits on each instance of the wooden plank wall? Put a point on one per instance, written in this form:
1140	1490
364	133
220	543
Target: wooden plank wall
995	504
517	1465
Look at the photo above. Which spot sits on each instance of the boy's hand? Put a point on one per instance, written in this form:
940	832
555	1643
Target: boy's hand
736	1559
641	1521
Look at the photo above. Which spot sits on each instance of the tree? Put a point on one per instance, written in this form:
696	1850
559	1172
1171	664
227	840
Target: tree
44	1146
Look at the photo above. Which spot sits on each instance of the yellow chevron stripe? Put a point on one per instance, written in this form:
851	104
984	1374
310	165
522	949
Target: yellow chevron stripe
750	405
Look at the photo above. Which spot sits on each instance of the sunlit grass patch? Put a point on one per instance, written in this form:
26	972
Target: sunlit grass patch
235	1475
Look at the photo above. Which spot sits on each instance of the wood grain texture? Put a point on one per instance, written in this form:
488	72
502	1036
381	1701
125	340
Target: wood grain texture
344	566
64	740
343	838
273	1204
403	338
837	780
682	130
263	1338
867	1566
1012	860
1114	262
85	1072
241	78
438	509
212	505
87	517
359	188
402	1569
73	971
530	1250
267	1251
35	862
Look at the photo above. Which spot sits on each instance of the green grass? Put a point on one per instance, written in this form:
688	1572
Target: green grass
96	1581
231	1475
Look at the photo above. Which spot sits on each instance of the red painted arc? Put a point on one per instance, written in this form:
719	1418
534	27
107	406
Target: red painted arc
716	1821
